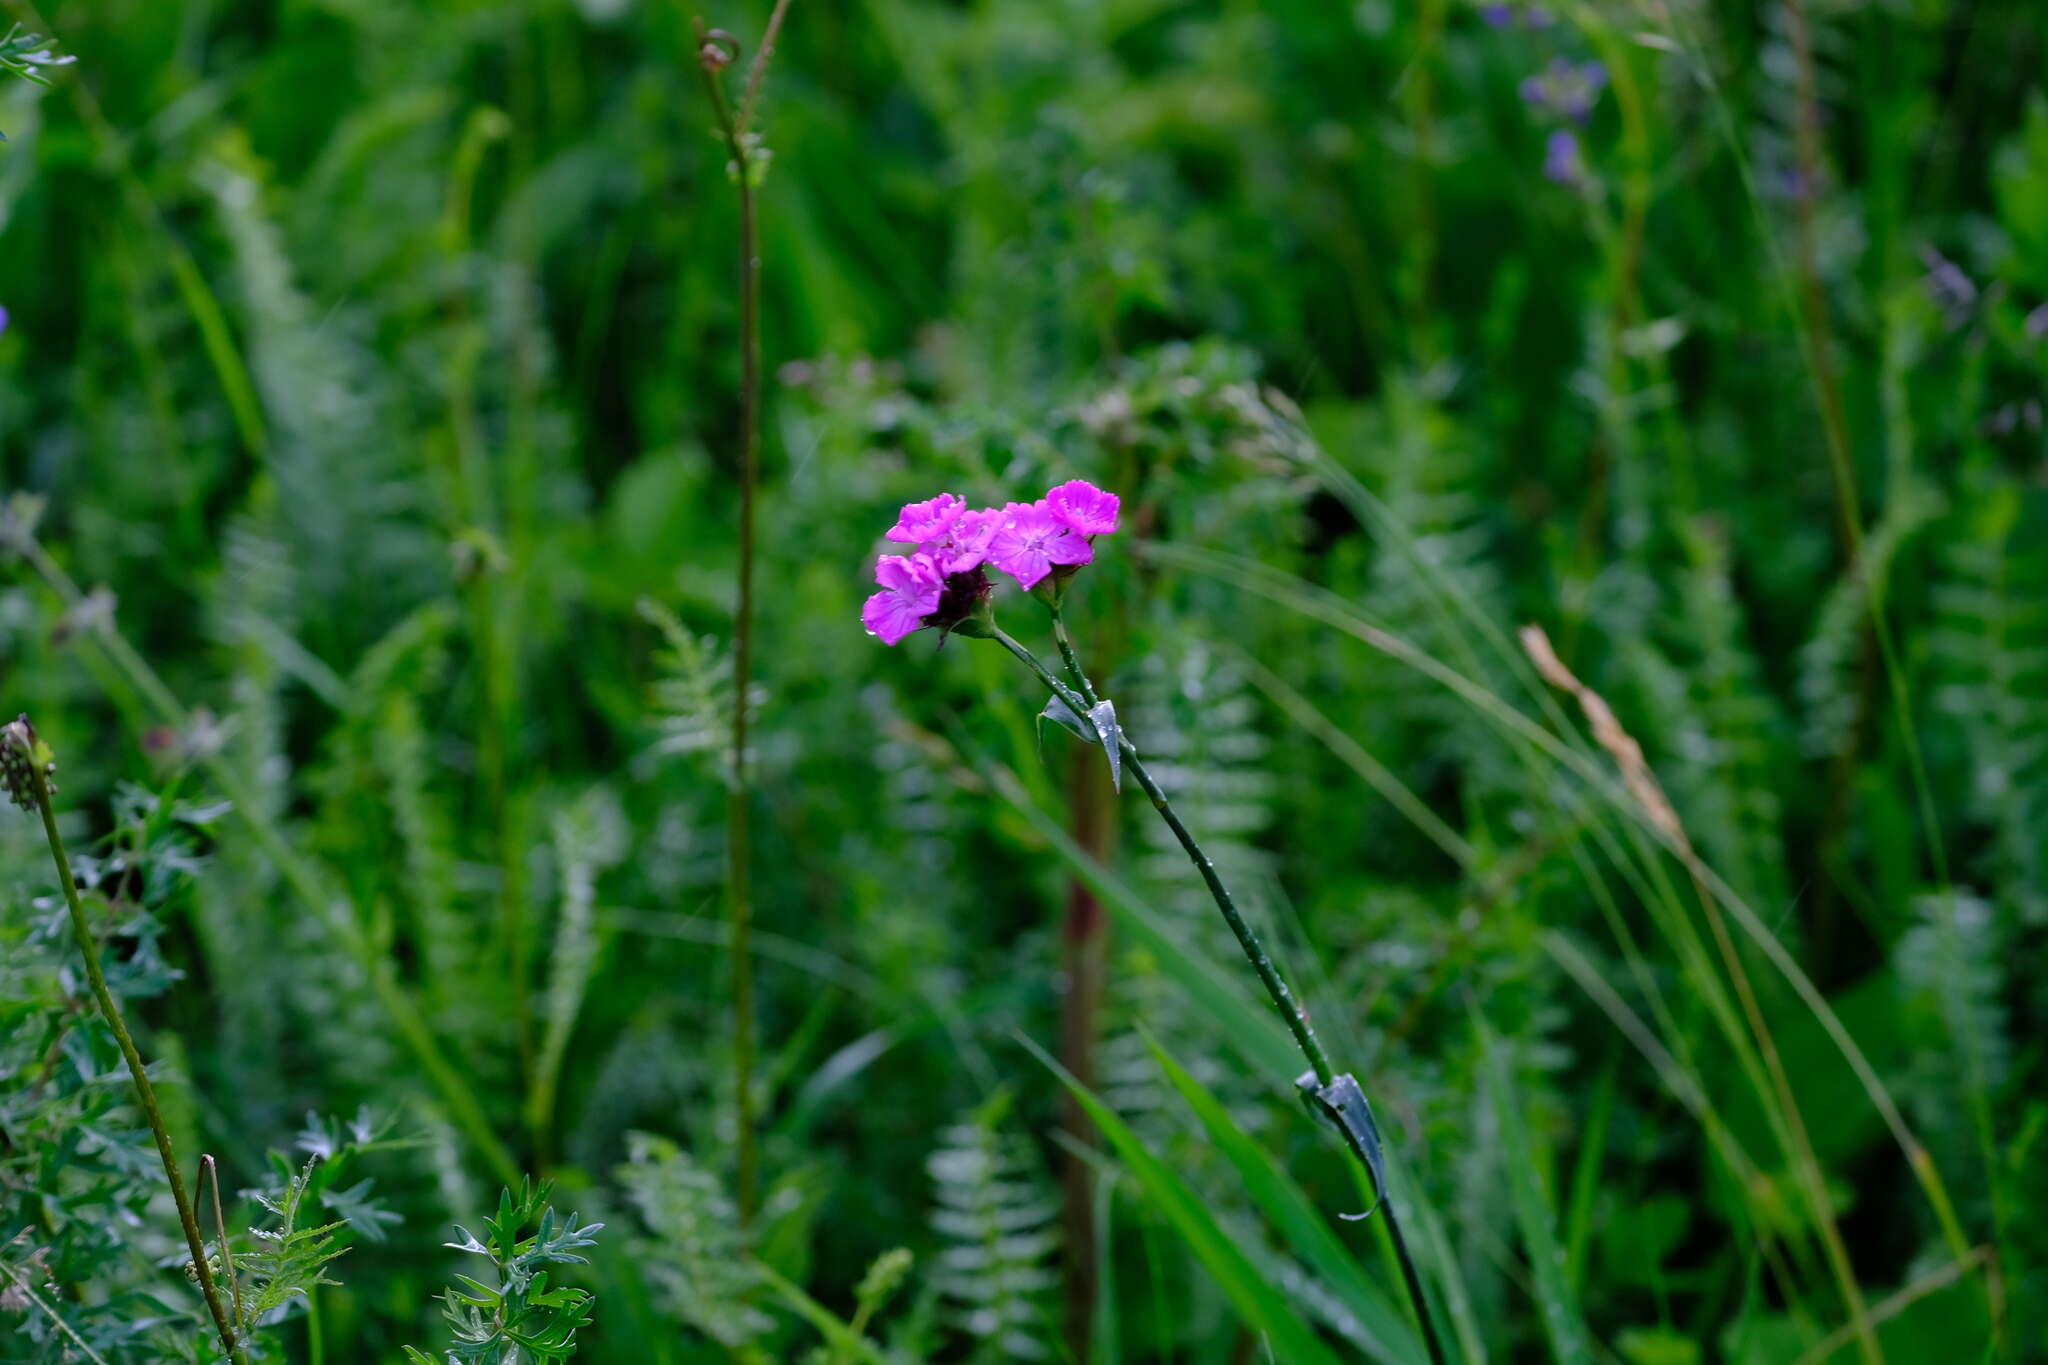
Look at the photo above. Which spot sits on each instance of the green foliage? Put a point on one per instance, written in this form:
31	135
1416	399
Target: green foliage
367	432
694	1253
995	1214
28	54
288	1262
78	1174
519	1317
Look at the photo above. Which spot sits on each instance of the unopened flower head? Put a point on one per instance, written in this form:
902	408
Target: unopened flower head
22	754
944	583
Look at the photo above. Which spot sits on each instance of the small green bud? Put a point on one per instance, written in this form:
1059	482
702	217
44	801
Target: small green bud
884	1277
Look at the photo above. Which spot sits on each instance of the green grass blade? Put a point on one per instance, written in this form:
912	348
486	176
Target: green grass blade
1261	1303
1556	1306
1255	1031
1385	1333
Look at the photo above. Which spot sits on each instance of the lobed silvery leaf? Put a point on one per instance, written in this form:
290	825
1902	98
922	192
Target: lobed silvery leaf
1098	726
1111	736
1342	1104
1057	711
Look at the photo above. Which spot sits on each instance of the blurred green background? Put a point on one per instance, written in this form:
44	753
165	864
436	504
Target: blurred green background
379	361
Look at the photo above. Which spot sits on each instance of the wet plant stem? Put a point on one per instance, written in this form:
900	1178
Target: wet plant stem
1081	702
88	948
1269	976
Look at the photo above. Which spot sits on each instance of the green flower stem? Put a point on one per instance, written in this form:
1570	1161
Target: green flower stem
1066	644
1269	975
1081	703
89	949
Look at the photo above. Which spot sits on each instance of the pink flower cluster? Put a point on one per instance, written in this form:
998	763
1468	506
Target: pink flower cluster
944	579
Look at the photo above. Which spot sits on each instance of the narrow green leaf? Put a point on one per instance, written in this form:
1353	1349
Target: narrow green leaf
1383	1332
1251	1028
1262	1305
1562	1323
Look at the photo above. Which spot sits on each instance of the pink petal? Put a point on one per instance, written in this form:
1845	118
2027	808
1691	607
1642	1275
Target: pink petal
1023	563
1069	548
1084	507
914	577
919	522
888	617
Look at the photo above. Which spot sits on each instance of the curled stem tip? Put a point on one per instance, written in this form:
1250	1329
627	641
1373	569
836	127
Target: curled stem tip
716	48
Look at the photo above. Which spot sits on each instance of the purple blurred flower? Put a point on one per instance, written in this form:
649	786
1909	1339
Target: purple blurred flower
911	586
1031	540
1566	88
1499	15
1082	506
3	320
1561	161
2036	323
1952	291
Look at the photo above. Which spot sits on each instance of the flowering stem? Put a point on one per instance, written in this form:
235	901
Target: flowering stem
88	948
1066	644
1269	975
712	59
1081	703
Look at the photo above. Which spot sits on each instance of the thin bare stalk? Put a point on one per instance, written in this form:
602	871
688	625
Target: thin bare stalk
146	693
21	738
717	50
758	72
1296	1018
209	1171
